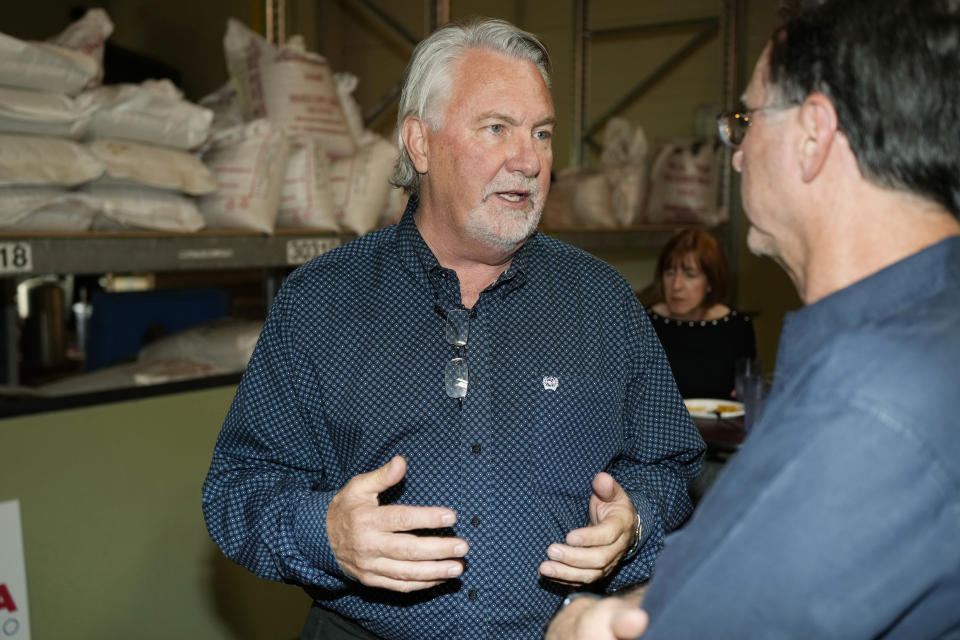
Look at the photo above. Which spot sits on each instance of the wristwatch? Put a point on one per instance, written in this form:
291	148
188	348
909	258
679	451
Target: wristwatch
636	540
579	594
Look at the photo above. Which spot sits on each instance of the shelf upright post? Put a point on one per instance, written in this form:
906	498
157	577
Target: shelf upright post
9	361
276	28
581	10
441	14
732	79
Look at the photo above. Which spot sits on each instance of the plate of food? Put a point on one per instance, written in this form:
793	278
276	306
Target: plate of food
713	408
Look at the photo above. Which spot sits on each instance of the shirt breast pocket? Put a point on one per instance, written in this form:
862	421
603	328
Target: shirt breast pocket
576	430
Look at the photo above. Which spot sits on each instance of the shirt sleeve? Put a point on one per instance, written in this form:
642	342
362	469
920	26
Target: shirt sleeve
663	450
827	524
265	497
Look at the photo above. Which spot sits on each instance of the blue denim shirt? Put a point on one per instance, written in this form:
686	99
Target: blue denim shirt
349	371
840	517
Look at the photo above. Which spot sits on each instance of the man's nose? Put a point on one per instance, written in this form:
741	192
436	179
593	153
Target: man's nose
524	157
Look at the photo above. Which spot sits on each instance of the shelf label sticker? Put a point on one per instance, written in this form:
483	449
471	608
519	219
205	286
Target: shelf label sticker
205	254
16	257
301	250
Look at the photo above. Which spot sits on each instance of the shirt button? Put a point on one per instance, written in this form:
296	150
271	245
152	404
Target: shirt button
472	594
475	448
475	521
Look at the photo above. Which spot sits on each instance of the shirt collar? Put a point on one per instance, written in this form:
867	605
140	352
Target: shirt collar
419	260
412	248
878	296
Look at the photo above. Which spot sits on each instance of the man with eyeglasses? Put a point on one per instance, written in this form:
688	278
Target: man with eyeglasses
450	423
840	516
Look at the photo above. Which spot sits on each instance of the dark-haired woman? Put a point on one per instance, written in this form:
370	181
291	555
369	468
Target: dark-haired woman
702	336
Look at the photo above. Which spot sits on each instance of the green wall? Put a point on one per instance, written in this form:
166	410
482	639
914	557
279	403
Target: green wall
113	534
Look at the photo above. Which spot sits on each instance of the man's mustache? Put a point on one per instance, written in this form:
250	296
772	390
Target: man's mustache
529	185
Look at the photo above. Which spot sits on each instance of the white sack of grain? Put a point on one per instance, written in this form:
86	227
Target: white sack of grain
46	209
684	182
29	112
154	112
43	66
131	207
306	200
248	162
153	166
44	160
288	86
87	35
361	184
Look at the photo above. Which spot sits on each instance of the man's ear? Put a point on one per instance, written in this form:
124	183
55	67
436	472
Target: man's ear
414	134
818	120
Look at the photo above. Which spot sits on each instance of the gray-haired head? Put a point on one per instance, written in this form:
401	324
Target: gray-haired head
428	77
890	70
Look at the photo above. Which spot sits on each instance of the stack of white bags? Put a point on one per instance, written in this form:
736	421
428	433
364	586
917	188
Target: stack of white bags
288	148
281	145
75	155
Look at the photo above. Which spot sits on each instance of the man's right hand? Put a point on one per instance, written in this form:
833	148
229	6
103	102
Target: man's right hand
612	618
371	541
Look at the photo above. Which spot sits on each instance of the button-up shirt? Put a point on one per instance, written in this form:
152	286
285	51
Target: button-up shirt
566	379
840	516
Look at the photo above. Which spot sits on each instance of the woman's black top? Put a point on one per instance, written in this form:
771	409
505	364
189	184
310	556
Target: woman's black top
703	353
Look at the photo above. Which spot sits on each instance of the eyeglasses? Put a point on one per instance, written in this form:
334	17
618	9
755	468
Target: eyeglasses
732	125
457	374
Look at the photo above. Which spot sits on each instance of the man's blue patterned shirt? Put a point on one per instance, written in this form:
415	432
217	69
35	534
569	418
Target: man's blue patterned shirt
349	371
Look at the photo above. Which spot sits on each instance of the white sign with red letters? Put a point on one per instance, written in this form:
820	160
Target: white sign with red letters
14	613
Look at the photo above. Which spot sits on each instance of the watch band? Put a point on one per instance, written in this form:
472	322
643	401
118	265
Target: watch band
579	594
636	540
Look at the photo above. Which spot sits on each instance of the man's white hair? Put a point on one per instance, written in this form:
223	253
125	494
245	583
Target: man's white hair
428	76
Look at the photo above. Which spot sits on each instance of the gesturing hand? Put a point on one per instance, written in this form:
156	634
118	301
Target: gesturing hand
608	619
591	553
371	543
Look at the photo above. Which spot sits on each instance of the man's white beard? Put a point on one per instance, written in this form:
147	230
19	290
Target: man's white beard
504	228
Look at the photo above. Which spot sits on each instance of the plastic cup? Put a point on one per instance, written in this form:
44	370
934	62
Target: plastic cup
751	390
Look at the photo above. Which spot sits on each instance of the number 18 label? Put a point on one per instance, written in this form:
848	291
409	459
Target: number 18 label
15	257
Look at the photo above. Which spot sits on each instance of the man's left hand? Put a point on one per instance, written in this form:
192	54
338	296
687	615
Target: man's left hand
593	552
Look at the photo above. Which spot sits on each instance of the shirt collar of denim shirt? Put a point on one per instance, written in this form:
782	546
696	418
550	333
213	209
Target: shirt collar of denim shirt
868	301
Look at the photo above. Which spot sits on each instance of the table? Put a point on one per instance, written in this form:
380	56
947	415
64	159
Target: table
723	438
723	435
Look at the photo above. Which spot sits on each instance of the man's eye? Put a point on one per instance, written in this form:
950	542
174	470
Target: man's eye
495	128
543	134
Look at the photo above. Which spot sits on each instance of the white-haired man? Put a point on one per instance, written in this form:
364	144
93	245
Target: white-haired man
449	422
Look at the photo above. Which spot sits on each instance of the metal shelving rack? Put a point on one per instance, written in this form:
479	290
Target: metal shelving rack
727	25
24	255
